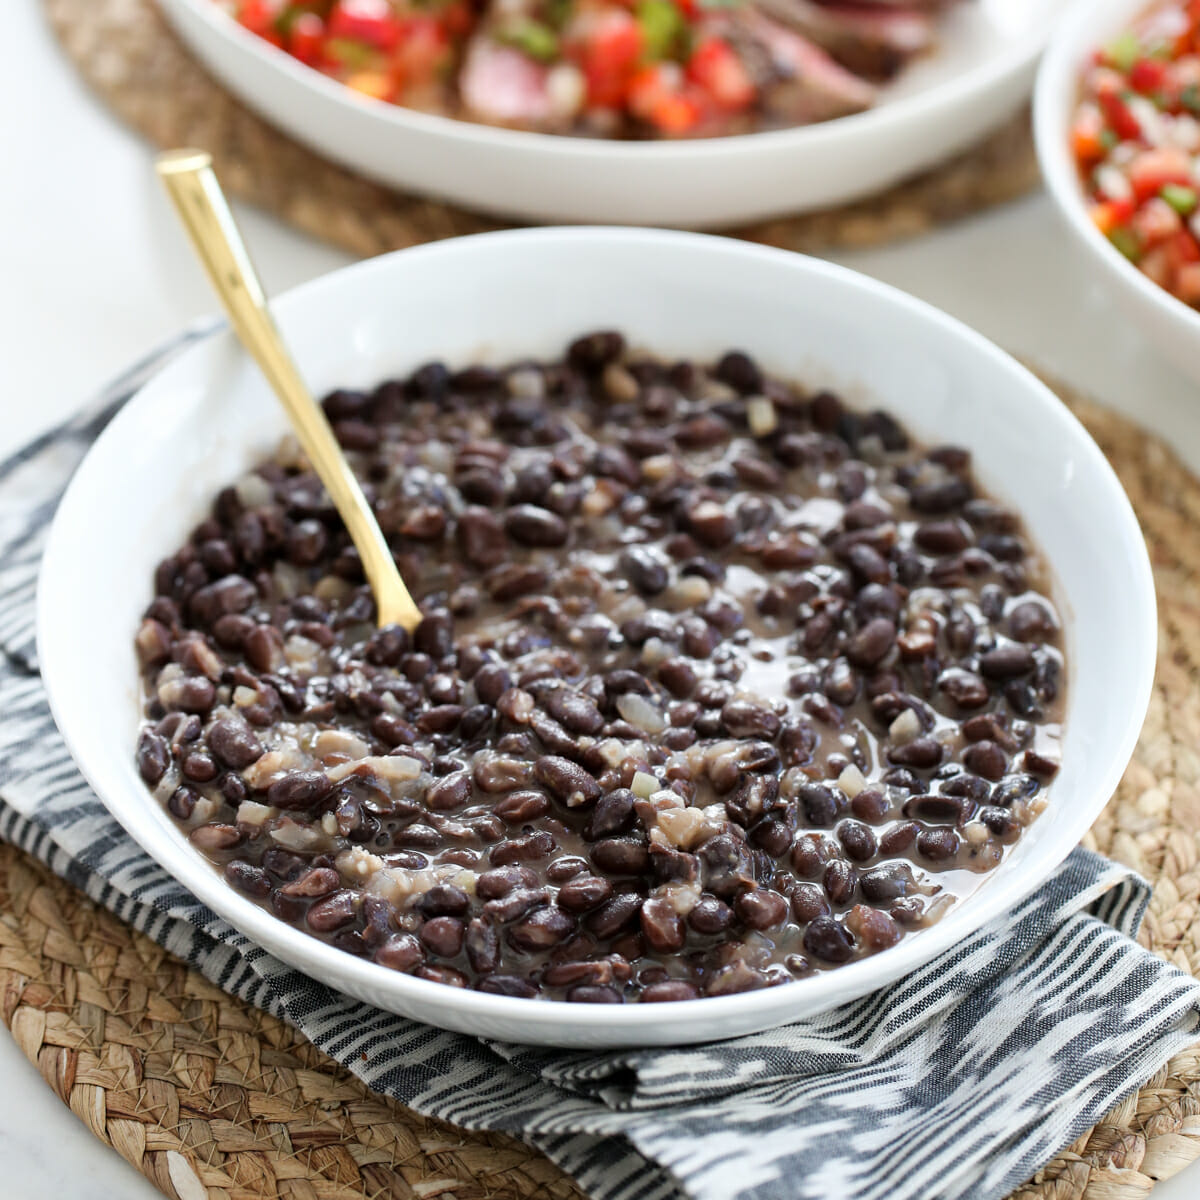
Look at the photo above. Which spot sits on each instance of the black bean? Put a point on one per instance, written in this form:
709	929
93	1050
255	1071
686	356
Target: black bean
519	808
435	634
772	835
401	952
938	845
662	926
965	688
449	794
481	537
1006	662
820	803
898	839
667	991
1014	788
921	753
569	782
858	841
533	526
710	916
760	908
443	936
871	643
739	371
541	929
614	813
247	878
614	915
530	848
153	756
584	893
986	759
645	570
621	856
827	940
595	351
942	496
1031	621
939	809
746	718
888	881
508	985
332	913
575	711
839	881
300	790
499	882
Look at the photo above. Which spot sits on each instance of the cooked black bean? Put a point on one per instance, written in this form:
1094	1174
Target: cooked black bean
299	790
569	782
758	908
826	939
658	734
401	952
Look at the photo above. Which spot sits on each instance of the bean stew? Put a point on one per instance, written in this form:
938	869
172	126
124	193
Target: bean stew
720	682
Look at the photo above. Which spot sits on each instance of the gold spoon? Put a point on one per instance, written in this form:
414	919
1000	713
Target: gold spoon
197	196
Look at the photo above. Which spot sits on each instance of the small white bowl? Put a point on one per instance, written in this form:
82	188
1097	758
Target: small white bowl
980	73
1174	327
208	417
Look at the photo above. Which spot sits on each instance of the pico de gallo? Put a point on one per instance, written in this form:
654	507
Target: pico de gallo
1136	139
607	68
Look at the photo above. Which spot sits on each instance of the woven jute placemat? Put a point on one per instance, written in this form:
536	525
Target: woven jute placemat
211	1098
135	64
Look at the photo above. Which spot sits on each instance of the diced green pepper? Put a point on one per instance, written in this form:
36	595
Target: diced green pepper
530	37
661	23
1181	199
1190	97
355	55
1124	51
1127	242
1109	138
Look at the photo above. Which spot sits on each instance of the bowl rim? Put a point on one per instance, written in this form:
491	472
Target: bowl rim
885	118
1055	94
329	965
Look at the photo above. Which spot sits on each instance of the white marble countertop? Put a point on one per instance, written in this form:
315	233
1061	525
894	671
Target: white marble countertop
93	271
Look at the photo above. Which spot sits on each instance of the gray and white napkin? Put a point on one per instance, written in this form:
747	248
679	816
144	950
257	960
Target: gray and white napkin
958	1081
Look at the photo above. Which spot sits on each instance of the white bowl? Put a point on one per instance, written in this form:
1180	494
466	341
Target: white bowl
979	75
208	416
1174	327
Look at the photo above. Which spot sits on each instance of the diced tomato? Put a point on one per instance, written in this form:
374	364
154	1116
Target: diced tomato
259	16
1148	75
609	54
369	21
659	95
1153	169
1184	248
1112	214
716	67
1124	124
306	39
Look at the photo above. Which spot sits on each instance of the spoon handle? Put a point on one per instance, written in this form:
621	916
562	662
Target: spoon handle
197	196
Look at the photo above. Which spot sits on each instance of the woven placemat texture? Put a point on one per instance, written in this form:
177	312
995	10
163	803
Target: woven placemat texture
135	64
214	1100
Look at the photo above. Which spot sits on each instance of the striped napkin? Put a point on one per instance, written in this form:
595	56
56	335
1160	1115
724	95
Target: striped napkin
958	1081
